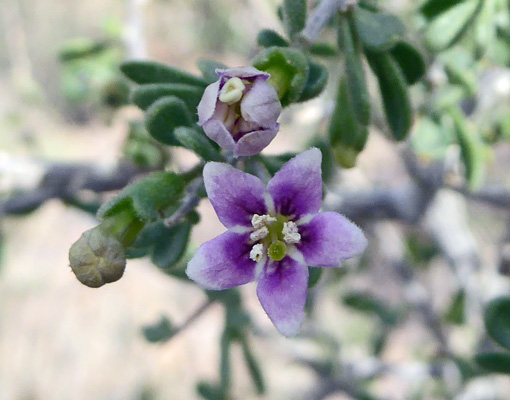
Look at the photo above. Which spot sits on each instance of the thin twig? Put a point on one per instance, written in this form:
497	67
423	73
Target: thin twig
194	316
189	203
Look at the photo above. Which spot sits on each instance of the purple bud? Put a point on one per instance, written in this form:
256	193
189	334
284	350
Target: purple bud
239	111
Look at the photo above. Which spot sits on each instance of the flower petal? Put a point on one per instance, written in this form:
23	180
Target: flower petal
297	187
217	132
261	104
330	238
254	142
242	72
207	105
282	289
235	195
223	262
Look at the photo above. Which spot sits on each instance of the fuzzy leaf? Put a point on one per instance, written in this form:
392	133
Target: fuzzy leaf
171	246
146	95
159	332
317	80
497	320
433	8
294	16
197	142
378	31
498	363
368	304
164	116
410	61
143	72
314	275
208	69
323	50
269	38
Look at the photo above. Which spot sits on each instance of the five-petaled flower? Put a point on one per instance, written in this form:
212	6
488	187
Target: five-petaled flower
239	111
273	235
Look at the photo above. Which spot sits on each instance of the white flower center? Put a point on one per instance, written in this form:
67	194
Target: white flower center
232	91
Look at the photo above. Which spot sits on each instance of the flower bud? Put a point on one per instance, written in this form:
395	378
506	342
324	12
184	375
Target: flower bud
239	111
97	258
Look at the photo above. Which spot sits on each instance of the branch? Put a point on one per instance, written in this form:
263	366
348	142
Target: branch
189	203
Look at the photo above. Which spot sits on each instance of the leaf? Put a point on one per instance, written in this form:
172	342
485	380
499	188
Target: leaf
208	69
410	61
317	80
447	28
395	96
171	246
433	8
368	304
497	320
498	363
79	48
471	149
288	69
314	275
323	50
269	38
143	72
486	27
294	16
210	391
146	95
164	116
355	74
378	31
159	332
146	197
456	312
197	142
253	366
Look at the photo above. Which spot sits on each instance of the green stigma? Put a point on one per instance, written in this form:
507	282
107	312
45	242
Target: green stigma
277	250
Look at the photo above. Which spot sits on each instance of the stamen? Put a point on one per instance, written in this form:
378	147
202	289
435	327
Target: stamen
290	233
258	221
257	252
232	91
259	234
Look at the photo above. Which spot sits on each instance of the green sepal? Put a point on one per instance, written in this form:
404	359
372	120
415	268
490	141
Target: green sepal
270	38
350	47
410	61
159	332
144	72
498	363
448	28
471	149
171	245
146	95
288	69
497	320
164	116
197	142
146	198
208	69
394	92
314	275
294	16
378	31
317	81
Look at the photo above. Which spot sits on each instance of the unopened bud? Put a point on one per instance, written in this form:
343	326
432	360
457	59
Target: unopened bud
97	258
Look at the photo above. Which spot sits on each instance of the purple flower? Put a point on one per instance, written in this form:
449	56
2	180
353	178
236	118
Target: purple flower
239	111
273	234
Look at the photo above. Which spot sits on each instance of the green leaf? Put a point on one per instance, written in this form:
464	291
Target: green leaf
79	48
355	74
269	38
378	31
288	69
294	16
317	80
225	365
497	320
366	303
197	142
146	95
456	311
433	8
208	69
159	332
486	27
171	246
314	275
147	197
471	148
323	50
253	366
164	116
210	391
274	163
395	96
143	72
410	61
498	363
447	28
465	78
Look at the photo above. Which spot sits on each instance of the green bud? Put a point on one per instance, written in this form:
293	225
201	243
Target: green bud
97	258
277	250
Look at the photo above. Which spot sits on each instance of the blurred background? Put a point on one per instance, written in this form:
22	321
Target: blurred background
62	340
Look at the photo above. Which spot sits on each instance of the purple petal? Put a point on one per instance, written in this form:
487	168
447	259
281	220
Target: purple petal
207	104
234	194
242	72
297	187
217	132
261	104
254	142
330	238
282	291
223	262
